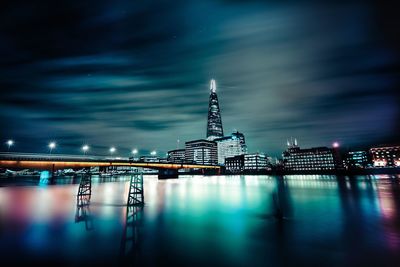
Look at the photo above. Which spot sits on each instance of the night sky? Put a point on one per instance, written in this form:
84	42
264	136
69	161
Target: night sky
133	74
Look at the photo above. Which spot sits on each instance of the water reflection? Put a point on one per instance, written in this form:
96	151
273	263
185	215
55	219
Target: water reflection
205	221
389	204
131	236
281	200
83	202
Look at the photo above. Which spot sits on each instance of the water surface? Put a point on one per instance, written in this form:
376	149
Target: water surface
205	221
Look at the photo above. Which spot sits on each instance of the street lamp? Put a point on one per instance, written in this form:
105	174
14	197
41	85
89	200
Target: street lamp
52	145
335	144
85	148
10	143
112	150
153	153
134	151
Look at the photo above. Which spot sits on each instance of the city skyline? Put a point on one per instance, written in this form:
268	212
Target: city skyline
112	80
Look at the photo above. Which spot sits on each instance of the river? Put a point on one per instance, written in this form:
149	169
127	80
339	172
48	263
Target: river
295	220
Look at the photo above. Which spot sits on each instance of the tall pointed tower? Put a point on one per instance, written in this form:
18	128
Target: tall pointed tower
214	122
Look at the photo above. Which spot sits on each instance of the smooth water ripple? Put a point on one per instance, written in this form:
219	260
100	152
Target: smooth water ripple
296	220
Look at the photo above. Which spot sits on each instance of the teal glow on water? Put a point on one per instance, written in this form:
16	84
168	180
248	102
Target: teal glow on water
205	221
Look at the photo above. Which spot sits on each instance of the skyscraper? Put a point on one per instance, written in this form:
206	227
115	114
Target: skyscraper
214	122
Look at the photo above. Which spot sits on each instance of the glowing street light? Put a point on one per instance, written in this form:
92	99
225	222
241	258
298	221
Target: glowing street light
134	151
112	150
335	144
85	148
153	153
52	145
10	143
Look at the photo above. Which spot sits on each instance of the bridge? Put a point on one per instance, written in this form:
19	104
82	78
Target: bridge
53	162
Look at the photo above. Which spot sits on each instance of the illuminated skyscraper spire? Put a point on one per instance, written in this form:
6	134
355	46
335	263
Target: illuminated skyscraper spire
214	122
213	86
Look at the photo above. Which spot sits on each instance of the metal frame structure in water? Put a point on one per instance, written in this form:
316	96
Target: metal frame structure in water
135	196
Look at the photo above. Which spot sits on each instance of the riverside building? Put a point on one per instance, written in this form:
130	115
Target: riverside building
176	155
385	156
255	162
356	159
230	146
311	159
201	152
214	121
235	164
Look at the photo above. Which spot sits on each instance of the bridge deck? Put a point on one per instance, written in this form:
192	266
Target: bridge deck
41	161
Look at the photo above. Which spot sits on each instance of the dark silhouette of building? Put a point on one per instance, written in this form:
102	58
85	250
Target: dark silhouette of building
214	121
235	164
356	159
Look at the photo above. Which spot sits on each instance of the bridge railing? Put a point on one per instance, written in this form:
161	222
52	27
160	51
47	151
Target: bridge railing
57	157
34	158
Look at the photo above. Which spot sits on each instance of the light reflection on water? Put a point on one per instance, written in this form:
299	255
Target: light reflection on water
223	220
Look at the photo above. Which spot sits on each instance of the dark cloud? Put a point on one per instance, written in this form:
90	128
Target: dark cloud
136	74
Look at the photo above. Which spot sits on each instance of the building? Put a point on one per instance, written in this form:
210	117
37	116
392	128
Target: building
311	159
356	159
149	159
385	156
201	152
272	161
230	146
235	164
177	155
214	122
247	163
255	162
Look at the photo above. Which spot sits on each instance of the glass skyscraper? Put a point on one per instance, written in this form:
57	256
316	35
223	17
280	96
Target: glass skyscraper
214	121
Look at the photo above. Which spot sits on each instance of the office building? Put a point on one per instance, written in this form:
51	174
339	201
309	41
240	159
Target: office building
235	164
385	156
356	159
311	159
177	155
149	159
230	146
247	163
201	152
255	162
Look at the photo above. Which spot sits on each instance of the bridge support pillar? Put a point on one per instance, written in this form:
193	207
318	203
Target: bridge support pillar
135	195
168	174
52	174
